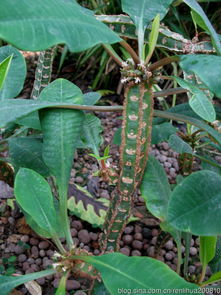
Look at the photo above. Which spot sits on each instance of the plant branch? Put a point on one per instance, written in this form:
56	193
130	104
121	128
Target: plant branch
113	54
163	62
131	51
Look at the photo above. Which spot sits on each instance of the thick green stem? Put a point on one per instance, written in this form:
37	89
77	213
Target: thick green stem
187	238
136	135
179	257
60	247
203	273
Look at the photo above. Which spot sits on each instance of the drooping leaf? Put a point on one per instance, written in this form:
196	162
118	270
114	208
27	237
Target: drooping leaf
194	204
30	121
8	283
82	204
61	129
26	152
14	81
180	146
91	133
60	22
155	188
207	249
162	132
4	68
119	272
211	65
216	277
33	194
199	102
203	21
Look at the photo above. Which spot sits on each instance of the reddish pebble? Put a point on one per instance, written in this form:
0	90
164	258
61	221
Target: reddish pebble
43	245
127	239
137	245
135	253
72	285
125	251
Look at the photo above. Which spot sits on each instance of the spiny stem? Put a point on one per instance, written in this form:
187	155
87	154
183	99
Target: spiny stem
131	51
163	62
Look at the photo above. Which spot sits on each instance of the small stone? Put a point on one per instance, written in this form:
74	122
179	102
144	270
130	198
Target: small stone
25	266
191	269
127	239
25	239
76	241
42	253
50	253
155	232
30	270
55	283
169	245
83	236
77	224
167	165
135	253
38	261
22	258
11	220
137	244
193	251
41	281
34	241
35	267
147	233
43	245
138	236
197	241
79	179
168	256
153	241
125	251
128	229
151	251
74	232
105	194
87	248
72	285
96	252
18	249
138	229
162	158
80	293
34	251
93	236
46	262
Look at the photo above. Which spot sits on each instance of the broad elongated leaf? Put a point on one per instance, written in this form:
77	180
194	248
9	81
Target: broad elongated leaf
8	283
199	102
194	204
215	264
30	121
204	22
207	249
153	36
178	145
216	277
61	290
90	98
33	194
16	74
61	129
91	136
60	21
99	289
4	68
119	272
27	152
155	188
211	65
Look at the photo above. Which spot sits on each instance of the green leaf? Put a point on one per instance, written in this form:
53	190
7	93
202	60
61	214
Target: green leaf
194	204
179	145
215	264
61	129
142	13
82	204
155	188
162	132
90	98
153	37
33	194
61	290
14	81
216	277
30	121
8	283
4	68
27	152
207	249
203	21
119	272
207	166
91	133
60	22
199	101
211	65
99	289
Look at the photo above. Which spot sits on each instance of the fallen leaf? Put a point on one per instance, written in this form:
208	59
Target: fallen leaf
23	227
34	288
